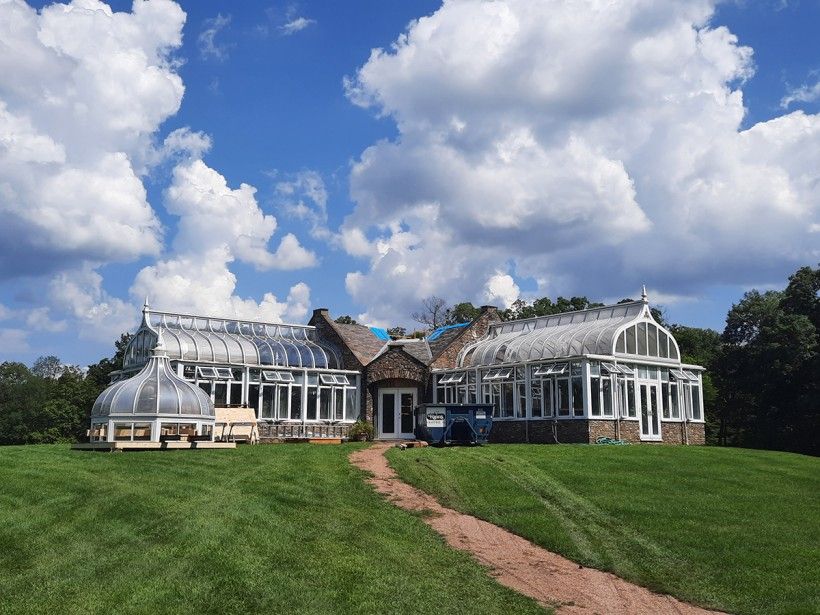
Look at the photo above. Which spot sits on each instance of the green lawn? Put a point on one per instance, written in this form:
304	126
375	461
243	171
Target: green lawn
736	529
288	528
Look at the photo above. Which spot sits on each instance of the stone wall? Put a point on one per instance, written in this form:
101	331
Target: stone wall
476	330
326	333
394	369
569	431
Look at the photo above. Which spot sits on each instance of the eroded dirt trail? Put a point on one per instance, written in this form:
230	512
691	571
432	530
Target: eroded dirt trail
552	580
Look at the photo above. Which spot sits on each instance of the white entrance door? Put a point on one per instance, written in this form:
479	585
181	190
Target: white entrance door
650	421
396	413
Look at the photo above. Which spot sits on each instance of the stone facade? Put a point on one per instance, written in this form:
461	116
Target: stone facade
567	431
446	359
392	369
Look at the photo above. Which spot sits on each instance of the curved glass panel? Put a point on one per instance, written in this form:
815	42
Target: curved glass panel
625	328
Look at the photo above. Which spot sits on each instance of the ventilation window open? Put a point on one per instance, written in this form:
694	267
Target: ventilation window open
327	378
556	369
270	376
678	374
342	379
224	373
207	372
689	375
626	370
611	368
285	377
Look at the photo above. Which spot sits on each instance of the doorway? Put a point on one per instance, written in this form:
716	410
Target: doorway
650	421
396	419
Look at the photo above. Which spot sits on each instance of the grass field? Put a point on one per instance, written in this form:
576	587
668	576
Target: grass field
290	528
737	530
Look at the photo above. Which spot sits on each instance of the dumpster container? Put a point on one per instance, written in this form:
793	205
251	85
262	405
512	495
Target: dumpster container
454	423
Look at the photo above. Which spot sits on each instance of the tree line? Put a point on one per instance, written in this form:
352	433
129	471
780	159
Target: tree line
49	401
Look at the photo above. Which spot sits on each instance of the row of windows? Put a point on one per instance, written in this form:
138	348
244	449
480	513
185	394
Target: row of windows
141	432
648	340
557	390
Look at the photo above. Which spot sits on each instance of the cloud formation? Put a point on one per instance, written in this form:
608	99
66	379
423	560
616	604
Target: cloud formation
585	148
84	92
805	93
209	47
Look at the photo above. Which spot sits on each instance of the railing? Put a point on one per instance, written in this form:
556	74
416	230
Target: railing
287	431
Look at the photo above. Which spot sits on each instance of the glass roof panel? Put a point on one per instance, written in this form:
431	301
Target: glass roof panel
588	332
230	342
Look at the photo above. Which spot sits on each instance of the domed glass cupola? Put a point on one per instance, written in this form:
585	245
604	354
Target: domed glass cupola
154	405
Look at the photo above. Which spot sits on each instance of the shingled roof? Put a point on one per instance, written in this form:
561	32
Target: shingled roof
439	343
360	339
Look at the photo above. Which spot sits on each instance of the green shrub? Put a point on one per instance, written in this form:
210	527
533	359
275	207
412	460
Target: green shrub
361	430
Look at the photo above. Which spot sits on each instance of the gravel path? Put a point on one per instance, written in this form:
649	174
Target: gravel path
552	580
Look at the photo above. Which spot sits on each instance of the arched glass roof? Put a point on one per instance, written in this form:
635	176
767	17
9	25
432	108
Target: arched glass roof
588	332
206	339
155	391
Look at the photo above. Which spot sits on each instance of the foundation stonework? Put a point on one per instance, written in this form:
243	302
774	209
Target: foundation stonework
587	431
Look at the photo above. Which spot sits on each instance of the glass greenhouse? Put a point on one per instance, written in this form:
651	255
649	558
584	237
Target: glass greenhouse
155	404
280	371
610	366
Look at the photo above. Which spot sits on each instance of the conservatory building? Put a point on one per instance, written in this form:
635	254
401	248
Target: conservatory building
611	372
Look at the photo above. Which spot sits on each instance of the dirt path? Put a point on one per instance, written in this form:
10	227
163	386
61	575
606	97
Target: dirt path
517	563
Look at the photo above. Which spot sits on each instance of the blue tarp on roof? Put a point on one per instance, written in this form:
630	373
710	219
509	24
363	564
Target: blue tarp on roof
380	333
437	333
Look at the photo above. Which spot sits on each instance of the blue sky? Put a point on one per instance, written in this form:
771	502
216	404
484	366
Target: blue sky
406	153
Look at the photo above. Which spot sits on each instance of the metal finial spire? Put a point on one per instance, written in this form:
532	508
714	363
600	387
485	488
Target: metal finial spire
644	296
145	305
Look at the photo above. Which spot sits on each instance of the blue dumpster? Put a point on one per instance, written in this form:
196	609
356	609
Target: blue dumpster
454	423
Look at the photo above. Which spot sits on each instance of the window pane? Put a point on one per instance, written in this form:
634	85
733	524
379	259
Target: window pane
535	395
351	407
283	394
508	399
388	413
220	394
311	404
663	344
630	340
142	431
606	389
595	393
696	402
295	402
324	404
406	413
630	399
665	400
548	398
338	404
620	346
673	401
653	340
578	396
236	394
642	338
267	402
122	431
563	397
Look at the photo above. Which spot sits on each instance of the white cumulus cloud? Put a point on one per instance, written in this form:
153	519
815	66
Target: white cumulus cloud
589	147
